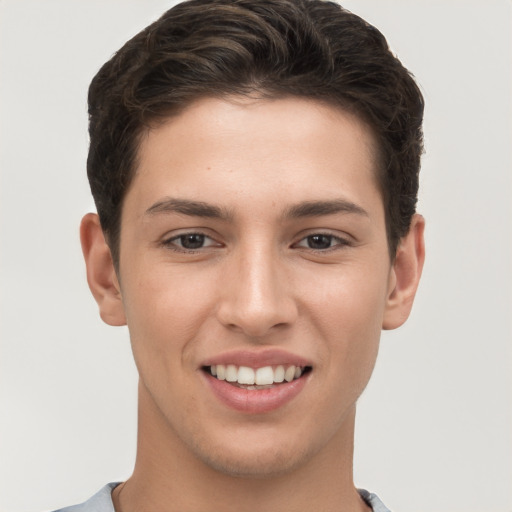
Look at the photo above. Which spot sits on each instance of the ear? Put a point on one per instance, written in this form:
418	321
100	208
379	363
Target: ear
101	274
405	275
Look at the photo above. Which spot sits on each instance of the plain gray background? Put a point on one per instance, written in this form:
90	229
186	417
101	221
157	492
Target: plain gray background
435	424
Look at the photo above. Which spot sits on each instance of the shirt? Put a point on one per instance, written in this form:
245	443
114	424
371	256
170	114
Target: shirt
102	501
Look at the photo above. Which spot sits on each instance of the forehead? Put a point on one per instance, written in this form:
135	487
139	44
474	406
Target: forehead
282	119
240	147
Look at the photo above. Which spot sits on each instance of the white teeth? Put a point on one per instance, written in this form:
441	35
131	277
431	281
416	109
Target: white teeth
279	374
246	375
231	373
265	376
289	374
221	372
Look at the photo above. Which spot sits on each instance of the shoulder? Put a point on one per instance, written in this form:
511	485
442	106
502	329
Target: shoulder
373	501
100	502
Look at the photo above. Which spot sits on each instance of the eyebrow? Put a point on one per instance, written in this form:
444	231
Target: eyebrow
189	207
300	210
319	208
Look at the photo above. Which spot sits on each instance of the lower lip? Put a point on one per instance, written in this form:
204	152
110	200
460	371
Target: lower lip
256	401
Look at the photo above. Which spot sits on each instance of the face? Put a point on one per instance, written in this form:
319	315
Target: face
255	278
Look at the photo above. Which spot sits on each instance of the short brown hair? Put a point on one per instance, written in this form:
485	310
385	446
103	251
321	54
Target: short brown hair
275	48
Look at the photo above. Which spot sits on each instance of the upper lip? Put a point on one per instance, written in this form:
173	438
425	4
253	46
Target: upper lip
257	359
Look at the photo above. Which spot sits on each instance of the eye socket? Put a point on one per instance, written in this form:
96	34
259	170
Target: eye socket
321	242
190	241
196	241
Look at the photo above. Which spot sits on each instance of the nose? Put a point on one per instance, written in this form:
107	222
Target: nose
256	293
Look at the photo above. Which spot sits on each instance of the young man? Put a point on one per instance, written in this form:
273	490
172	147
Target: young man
255	169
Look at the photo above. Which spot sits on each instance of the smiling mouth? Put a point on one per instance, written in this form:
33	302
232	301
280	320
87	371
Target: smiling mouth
256	378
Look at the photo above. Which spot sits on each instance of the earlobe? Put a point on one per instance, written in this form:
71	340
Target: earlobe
101	274
405	275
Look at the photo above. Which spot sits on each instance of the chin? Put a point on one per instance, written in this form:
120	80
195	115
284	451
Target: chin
252	459
261	466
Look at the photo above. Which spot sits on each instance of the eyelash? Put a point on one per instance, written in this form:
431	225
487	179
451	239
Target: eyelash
340	242
170	243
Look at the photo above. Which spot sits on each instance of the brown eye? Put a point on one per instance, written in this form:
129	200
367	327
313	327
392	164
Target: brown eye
319	241
322	242
191	241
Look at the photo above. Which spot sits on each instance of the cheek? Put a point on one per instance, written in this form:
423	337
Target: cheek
163	312
347	312
349	300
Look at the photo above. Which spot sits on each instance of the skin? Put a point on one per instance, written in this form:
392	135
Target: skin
255	284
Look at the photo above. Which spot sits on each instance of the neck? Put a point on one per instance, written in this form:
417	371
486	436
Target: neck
169	478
